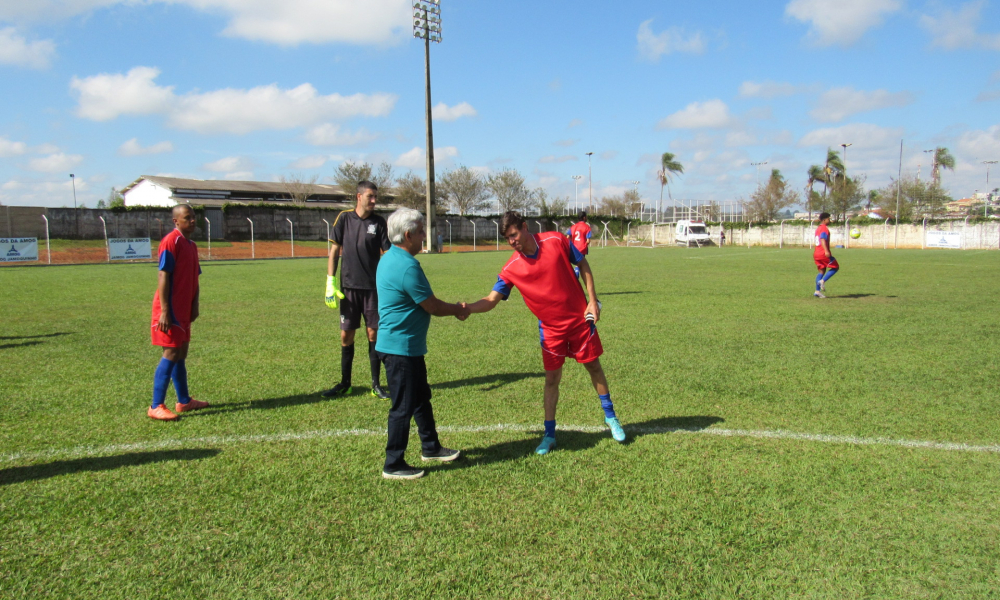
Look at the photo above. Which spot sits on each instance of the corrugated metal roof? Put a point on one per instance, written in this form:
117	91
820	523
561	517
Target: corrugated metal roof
216	185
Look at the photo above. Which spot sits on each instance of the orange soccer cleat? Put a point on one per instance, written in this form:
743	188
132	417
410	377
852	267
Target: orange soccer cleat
191	405
161	413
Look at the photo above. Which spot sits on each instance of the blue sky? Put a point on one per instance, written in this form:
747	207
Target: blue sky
255	89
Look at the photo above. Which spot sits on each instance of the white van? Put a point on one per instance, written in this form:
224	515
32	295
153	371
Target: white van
692	233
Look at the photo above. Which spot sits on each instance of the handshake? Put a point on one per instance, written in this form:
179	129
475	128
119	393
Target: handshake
463	311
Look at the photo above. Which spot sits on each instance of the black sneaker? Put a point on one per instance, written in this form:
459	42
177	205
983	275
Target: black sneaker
380	392
406	472
443	454
341	389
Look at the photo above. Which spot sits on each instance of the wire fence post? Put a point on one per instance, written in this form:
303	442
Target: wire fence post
473	234
847	233
449	235
48	250
253	252
208	224
327	235
498	234
291	233
106	245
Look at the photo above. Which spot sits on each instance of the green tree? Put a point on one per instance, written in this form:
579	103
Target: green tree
411	191
508	188
848	195
917	199
464	190
670	167
349	174
833	167
815	173
942	158
769	200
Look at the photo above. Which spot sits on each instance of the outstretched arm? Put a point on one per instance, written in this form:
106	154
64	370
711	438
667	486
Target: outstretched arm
588	280
486	304
439	308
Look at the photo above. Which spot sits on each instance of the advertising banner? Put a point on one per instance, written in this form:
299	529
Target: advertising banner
18	249
129	248
944	239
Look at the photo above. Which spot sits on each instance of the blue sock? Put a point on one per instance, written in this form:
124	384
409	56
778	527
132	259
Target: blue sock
609	408
181	382
819	277
830	274
161	380
550	429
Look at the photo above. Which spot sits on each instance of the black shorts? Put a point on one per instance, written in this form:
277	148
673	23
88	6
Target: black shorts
356	303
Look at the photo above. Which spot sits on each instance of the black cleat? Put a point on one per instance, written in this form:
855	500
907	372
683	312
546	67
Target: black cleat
341	389
380	392
405	472
443	454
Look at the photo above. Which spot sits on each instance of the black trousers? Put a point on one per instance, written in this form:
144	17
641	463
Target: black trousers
411	398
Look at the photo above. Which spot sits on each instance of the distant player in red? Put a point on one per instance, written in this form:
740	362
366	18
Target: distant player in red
825	261
540	268
175	307
580	233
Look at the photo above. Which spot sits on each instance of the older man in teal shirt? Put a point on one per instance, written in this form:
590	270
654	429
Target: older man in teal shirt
405	305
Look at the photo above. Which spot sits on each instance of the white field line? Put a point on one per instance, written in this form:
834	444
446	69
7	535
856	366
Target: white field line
222	440
732	255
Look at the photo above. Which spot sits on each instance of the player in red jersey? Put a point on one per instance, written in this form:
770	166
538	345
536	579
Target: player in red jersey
579	235
541	268
175	307
824	259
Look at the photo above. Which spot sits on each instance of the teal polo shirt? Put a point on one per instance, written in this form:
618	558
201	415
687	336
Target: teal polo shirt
402	322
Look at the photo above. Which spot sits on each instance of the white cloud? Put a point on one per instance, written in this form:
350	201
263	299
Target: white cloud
652	46
9	148
711	114
17	51
54	163
310	162
107	96
842	22
417	158
239	176
839	103
287	23
978	145
565	143
133	148
872	136
574	123
331	134
443	112
229	164
769	89
609	155
557	159
957	29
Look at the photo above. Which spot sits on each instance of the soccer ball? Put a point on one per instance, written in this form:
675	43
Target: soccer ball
855	233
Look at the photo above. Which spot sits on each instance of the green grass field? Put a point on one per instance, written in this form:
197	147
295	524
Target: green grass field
716	360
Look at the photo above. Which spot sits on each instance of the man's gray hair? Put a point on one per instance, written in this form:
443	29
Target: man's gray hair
403	221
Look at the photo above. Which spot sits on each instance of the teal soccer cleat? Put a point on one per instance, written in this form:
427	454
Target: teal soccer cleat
548	443
616	429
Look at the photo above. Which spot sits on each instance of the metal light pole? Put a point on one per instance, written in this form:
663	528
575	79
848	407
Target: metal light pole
576	197
72	178
636	184
590	183
758	164
427	26
845	146
986	202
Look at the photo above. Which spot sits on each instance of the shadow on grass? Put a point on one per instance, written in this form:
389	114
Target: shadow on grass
101	463
620	293
851	296
31	337
573	441
21	345
488	382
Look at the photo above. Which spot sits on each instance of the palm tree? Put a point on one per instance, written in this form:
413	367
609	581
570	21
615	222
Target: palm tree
669	166
942	158
834	166
815	174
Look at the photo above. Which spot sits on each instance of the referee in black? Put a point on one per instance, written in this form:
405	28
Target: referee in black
359	238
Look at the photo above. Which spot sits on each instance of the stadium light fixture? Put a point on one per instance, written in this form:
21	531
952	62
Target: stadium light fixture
427	26
590	183
845	146
576	196
986	202
758	164
72	178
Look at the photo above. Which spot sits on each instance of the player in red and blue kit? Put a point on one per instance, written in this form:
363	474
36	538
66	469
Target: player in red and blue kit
175	307
824	259
579	235
541	268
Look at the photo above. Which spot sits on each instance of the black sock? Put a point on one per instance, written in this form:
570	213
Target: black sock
375	363
346	362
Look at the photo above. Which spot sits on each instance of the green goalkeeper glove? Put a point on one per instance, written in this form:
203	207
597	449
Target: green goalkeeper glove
333	292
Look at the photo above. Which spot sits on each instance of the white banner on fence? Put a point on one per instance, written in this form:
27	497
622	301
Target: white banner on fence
944	239
129	248
18	249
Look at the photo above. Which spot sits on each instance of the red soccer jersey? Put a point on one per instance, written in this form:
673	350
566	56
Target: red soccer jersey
179	258
547	282
822	233
580	234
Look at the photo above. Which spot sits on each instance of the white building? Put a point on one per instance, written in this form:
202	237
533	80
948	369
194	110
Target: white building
150	190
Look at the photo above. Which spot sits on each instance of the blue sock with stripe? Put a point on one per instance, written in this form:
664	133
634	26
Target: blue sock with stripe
609	408
550	429
830	274
181	382
161	381
819	278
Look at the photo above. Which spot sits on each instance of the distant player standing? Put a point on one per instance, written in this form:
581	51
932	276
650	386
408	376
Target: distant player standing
175	307
566	320
579	235
360	237
822	255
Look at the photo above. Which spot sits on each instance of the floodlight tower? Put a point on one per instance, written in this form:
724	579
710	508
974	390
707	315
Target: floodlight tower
72	178
758	164
576	196
590	183
845	147
986	202
427	26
